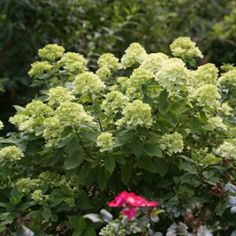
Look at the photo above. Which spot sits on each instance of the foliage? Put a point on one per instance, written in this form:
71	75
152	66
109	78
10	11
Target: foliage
156	126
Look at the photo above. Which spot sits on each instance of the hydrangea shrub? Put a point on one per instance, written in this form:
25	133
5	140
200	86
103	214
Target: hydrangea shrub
147	122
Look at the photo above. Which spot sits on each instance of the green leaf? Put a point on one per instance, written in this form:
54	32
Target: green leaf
195	125
102	179
90	232
84	172
126	173
15	196
77	223
136	147
110	164
163	102
152	150
46	213
162	167
148	164
75	155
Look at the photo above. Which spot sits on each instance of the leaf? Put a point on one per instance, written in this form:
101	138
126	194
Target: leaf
163	102
136	147
15	196
90	232
126	173
46	213
195	125
110	164
162	167
102	179
83	173
93	217
75	155
77	222
152	150
148	164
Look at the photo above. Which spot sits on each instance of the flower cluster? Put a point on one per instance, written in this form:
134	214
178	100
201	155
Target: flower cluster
185	48
114	102
108	60
51	52
153	61
134	54
39	68
173	76
216	122
87	83
228	78
130	202
11	153
206	96
205	74
226	109
105	141
26	185
72	114
58	95
172	143
73	62
1	125
136	114
227	149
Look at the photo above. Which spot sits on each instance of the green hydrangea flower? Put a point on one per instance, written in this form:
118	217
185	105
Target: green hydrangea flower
38	109
216	122
37	195
87	83
1	125
136	114
109	61
11	153
227	149
205	74
114	102
228	78
73	62
39	68
173	76
26	185
185	48
154	61
140	77
51	52
172	143
134	54
52	131
226	109
72	114
58	95
105	141
104	73
206	95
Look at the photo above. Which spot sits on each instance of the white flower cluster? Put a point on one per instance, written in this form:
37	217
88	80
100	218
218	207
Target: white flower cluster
172	143
185	48
136	114
1	125
87	83
105	141
11	153
51	52
134	54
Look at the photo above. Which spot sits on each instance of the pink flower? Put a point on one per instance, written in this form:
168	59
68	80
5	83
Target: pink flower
129	212
130	202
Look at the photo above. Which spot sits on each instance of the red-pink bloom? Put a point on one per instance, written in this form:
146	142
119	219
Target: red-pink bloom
130	201
129	212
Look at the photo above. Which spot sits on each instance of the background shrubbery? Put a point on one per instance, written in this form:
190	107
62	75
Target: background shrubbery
94	27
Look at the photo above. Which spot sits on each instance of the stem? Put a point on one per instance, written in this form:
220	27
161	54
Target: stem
82	144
